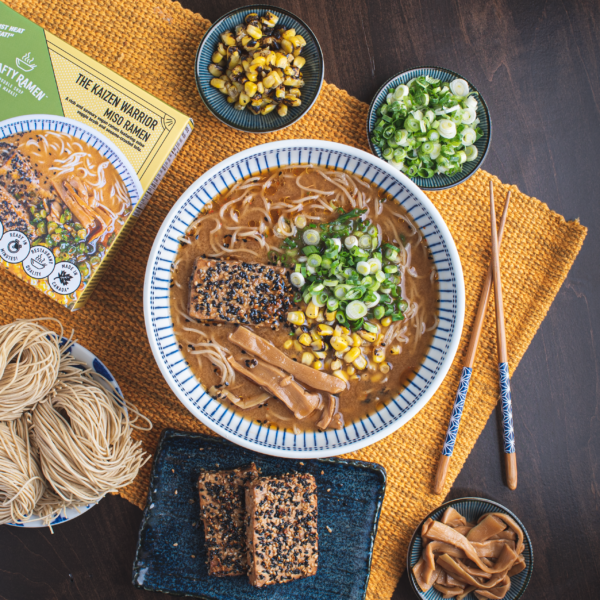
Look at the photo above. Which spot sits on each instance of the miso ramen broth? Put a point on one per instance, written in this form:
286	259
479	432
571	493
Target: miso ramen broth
362	291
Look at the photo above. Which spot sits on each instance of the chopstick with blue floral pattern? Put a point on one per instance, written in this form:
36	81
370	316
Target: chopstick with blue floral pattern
463	386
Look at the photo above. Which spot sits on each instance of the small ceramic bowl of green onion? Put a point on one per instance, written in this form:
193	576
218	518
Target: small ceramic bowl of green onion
432	124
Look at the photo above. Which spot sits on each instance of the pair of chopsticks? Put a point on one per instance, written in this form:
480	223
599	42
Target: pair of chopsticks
493	274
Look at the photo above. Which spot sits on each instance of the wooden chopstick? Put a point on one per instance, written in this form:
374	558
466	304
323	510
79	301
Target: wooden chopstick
510	456
463	388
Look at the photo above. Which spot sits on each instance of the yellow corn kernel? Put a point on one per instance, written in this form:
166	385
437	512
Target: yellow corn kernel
292	82
298	331
325	330
307	358
234	61
351	370
386	321
270	81
294	92
282	110
228	38
221	49
336	365
318	345
360	363
378	354
252	76
260	88
338	343
287	344
250	88
340	353
246	40
395	350
349	339
281	60
320	316
217	83
297	52
230	99
341	330
367	336
376	378
215	70
289	34
314	334
384	368
296	317
297	41
305	339
245	65
312	311
341	375
217	58
287	46
254	31
299	61
379	339
259	60
298	346
352	355
356	340
317	364
330	316
322	354
328	364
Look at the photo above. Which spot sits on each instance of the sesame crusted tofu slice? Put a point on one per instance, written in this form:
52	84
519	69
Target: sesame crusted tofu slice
232	291
14	216
222	509
22	181
282	535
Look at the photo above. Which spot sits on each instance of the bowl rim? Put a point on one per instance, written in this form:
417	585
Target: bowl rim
448	503
426	203
485	110
204	41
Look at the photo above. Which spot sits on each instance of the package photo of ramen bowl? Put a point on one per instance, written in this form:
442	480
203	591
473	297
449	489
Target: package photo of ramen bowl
66	193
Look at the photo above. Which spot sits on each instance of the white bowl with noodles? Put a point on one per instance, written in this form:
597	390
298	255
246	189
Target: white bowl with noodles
232	425
106	380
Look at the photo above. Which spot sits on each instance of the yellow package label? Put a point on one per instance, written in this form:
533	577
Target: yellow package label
81	152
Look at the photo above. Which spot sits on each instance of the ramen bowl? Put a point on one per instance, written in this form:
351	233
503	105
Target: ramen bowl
471	509
232	425
439	181
216	102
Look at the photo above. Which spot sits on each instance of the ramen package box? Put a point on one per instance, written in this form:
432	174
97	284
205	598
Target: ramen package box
81	152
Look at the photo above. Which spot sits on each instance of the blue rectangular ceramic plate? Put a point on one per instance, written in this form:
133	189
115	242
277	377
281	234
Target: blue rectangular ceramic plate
171	556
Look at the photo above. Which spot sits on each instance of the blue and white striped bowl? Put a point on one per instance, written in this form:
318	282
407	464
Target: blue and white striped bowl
312	72
441	181
471	509
233	426
96	366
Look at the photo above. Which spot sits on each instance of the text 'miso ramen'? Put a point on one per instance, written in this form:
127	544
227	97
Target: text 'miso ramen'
63	194
303	298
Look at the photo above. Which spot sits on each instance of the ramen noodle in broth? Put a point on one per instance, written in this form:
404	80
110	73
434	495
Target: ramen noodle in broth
63	194
304	298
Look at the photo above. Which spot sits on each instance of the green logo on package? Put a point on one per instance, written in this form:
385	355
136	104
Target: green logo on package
27	84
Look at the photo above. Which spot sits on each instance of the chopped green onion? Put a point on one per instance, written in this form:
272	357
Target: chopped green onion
356	310
363	267
379	312
314	260
332	304
311	237
370	327
320	299
297	280
300	221
308	250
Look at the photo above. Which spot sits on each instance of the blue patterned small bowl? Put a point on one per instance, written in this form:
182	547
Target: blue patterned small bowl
471	509
312	72
441	181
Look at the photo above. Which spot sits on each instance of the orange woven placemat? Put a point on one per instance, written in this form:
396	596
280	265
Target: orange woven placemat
153	43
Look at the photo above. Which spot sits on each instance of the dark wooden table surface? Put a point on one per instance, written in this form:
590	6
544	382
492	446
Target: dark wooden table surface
538	65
